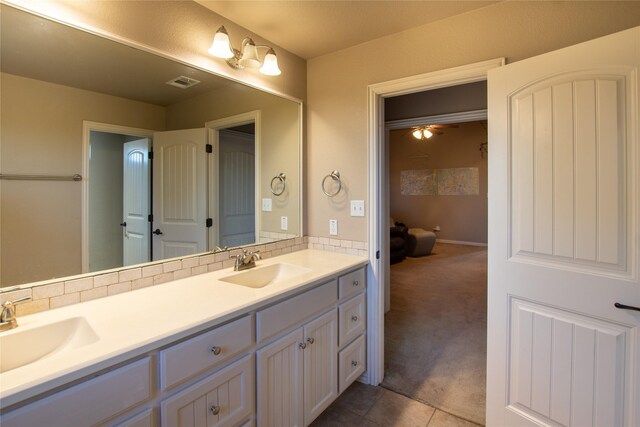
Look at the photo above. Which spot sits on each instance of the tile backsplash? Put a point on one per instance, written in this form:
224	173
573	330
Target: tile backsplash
91	286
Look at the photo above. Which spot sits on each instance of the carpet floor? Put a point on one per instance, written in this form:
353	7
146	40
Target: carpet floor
435	332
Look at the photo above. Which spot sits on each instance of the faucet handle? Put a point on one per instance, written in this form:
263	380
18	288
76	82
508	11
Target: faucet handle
16	301
8	314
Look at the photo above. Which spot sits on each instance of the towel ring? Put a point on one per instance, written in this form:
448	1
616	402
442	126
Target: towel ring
278	178
335	177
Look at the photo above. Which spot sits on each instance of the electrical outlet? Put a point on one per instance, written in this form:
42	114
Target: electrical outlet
266	205
284	223
357	208
333	227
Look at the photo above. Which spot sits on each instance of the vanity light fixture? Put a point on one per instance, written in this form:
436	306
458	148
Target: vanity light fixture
248	58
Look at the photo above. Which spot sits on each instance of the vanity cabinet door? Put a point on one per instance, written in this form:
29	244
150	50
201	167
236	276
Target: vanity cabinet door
223	399
280	376
320	365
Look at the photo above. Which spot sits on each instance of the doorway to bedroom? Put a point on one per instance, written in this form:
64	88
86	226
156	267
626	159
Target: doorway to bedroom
435	320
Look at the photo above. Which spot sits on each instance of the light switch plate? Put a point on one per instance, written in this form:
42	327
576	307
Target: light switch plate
284	223
266	205
357	208
333	227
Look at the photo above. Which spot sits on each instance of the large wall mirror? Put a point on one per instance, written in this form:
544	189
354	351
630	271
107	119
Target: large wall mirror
172	160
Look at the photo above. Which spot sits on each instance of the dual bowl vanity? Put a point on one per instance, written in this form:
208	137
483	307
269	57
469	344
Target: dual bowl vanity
273	345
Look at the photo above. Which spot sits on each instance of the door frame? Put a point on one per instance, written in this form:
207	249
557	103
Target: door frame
379	196
213	134
87	127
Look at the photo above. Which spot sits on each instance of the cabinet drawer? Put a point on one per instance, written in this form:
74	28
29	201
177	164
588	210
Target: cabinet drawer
185	360
291	312
352	361
89	402
352	319
222	399
143	419
352	283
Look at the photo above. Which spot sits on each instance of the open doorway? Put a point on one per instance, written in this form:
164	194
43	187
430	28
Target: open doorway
116	196
435	321
379	194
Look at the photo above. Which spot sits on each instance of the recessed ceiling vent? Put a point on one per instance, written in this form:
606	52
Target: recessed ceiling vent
183	82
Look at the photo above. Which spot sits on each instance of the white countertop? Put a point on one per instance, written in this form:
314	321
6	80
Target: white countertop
133	323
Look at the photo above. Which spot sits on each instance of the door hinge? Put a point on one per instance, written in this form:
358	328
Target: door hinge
150	154
209	148
209	222
377	254
150	218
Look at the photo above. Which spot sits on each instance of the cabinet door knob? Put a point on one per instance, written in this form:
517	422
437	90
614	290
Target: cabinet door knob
354	363
356	283
311	340
215	410
216	350
302	345
354	318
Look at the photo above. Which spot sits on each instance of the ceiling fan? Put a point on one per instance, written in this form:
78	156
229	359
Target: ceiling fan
426	132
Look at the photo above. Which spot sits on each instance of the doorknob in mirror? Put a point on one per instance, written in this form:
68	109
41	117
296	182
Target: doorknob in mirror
157	232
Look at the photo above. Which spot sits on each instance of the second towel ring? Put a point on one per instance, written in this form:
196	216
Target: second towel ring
281	177
335	177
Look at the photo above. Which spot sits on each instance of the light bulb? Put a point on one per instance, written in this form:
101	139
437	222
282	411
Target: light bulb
221	46
249	55
270	66
427	133
417	134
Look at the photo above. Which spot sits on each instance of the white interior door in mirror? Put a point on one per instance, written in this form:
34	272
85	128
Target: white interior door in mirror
179	193
236	178
563	213
135	242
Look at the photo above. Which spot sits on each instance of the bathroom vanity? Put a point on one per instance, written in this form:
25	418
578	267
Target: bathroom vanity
272	346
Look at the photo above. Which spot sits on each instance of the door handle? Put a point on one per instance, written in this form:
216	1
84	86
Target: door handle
123	224
157	232
626	307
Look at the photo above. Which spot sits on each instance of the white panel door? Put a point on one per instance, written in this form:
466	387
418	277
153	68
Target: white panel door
564	246
279	379
320	365
135	204
179	193
236	191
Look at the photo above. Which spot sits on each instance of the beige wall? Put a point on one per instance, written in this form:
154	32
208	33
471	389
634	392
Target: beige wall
461	218
41	133
280	148
182	30
337	83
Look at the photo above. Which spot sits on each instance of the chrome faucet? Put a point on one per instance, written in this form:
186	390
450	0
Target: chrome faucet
245	260
8	316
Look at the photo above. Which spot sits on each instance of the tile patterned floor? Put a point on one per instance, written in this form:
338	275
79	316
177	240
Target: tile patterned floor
368	406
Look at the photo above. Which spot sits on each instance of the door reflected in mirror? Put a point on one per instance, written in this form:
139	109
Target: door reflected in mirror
65	93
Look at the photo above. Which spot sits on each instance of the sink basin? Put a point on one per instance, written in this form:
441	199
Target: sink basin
23	346
260	277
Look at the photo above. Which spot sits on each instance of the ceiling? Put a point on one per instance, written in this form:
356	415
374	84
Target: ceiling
37	48
311	28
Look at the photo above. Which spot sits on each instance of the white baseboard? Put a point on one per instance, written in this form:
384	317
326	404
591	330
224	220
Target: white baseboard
458	242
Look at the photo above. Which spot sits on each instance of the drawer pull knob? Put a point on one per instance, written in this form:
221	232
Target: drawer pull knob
302	345
354	318
354	363
311	340
356	283
215	410
216	350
